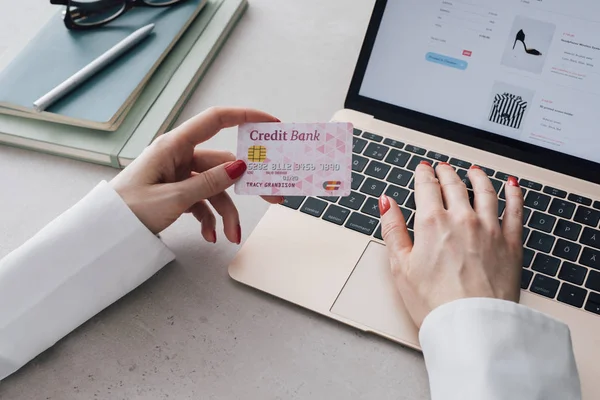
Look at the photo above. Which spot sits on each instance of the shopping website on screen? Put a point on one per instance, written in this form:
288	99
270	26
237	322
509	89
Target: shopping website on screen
525	69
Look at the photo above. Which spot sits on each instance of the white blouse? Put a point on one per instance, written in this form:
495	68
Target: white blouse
98	251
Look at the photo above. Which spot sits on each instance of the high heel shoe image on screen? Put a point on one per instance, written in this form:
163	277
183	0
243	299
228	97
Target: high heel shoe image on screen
521	38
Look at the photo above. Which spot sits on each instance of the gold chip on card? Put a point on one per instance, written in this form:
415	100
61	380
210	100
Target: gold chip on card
257	153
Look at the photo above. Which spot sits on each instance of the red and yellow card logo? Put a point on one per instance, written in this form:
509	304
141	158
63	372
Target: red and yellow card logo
331	185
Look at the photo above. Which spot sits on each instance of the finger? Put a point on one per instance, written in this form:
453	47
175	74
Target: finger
454	191
207	219
394	231
273	199
512	224
486	199
208	183
208	123
206	159
428	195
225	207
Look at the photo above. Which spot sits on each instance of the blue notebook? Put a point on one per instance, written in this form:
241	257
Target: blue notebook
102	102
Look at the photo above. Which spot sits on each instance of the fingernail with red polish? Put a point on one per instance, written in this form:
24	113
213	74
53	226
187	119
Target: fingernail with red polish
384	204
278	120
236	169
475	167
512	181
281	200
239	234
214	236
425	163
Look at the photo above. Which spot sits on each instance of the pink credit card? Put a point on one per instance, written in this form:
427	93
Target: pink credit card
296	159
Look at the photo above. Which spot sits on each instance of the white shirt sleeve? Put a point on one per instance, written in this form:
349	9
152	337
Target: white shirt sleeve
83	261
493	349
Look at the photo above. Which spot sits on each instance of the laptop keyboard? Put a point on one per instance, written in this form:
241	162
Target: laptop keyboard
561	236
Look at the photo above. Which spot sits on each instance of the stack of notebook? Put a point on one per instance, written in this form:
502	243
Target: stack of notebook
116	114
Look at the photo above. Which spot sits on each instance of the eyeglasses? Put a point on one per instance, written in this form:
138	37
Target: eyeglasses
86	14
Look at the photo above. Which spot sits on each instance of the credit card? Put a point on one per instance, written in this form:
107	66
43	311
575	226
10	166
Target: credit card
295	159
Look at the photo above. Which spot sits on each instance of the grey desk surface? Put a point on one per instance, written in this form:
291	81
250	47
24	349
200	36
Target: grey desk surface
190	331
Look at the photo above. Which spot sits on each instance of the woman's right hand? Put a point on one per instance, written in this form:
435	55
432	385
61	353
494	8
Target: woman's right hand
459	251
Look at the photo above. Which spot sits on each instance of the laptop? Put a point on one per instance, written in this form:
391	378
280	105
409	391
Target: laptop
511	86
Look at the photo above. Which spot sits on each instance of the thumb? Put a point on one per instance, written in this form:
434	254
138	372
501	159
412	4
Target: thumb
394	231
210	182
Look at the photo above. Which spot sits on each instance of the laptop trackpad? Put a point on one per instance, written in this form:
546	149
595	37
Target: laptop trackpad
370	298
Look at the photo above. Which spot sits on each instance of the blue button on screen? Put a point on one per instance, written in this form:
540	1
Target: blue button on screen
447	61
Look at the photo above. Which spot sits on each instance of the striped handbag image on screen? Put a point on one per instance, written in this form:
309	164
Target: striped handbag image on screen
508	110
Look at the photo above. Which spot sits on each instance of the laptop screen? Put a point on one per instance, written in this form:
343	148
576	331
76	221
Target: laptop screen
528	70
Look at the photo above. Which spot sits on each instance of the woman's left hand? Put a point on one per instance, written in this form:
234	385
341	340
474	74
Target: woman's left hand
172	177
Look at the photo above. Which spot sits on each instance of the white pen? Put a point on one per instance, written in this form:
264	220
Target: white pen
89	70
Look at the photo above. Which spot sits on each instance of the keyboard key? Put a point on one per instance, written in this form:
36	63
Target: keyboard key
572	295
471	196
410	203
597	205
462	174
357	179
503	196
544	285
371	207
526	214
393	143
501	207
567	229
400	177
572	273
356	132
587	216
411	223
555	192
358	145
353	201
460	163
526	276
412	185
372	136
415	149
332	199
488	171
377	233
590	257
562	208
525	234
415	161
437	156
593	281
527	257
591	237
537	200
359	163
377	169
336	214
314	207
397	193
373	187
545	264
397	158
293	202
376	151
593	303
540	241
411	233
567	250
503	176
541	221
361	223
496	184
530	184
580	199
